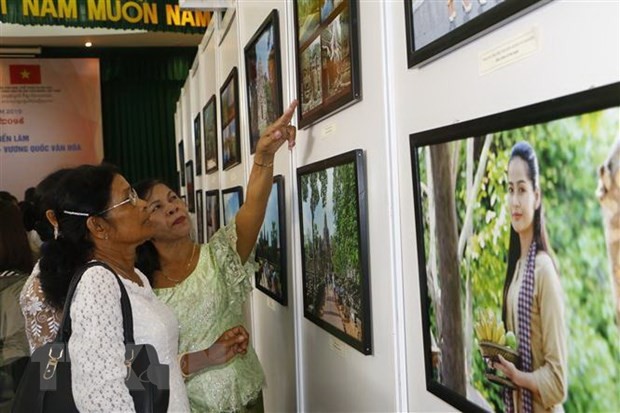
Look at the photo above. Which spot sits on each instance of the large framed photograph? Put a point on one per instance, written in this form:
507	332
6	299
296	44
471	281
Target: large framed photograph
200	218
263	77
436	27
271	246
209	122
232	199
334	233
189	177
212	210
229	99
182	161
514	215
327	56
198	144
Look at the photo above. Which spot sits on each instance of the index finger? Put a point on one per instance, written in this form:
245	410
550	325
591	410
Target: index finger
286	117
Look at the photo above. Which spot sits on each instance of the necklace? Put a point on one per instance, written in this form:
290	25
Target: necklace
189	263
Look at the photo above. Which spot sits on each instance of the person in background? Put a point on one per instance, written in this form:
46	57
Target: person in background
533	305
15	264
207	285
42	318
7	196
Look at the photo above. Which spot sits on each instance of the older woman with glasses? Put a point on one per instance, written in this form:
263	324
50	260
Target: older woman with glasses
100	218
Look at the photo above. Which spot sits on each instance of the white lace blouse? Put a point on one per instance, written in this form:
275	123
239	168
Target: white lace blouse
42	320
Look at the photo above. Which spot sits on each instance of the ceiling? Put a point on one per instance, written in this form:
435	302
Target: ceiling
58	36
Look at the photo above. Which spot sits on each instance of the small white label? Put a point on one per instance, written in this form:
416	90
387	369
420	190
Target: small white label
271	304
338	346
328	130
509	51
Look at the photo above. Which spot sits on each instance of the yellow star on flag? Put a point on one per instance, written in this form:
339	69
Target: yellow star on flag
25	74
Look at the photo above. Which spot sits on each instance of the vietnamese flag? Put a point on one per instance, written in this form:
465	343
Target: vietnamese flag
25	74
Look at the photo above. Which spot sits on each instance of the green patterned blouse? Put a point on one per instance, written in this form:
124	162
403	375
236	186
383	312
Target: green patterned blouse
208	302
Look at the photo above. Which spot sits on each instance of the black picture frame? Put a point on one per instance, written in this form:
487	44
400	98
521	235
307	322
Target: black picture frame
426	18
336	284
200	229
271	247
209	123
212	212
263	69
198	144
189	176
232	199
327	58
182	161
555	129
229	110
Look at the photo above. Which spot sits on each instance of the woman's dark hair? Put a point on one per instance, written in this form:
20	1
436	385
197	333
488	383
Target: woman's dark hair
15	253
29	214
7	196
147	258
45	198
525	152
85	189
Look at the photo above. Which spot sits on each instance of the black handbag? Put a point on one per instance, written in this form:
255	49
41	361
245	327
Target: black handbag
46	383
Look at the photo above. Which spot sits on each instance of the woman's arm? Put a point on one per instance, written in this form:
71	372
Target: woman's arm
96	345
252	213
234	341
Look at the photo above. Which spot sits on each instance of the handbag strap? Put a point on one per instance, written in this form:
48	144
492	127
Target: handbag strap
64	331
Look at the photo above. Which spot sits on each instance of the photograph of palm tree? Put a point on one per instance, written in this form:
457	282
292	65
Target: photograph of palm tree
271	246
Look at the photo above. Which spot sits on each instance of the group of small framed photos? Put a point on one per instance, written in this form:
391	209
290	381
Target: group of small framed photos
332	192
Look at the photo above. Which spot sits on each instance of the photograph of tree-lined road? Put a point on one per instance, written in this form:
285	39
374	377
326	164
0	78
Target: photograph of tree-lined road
335	278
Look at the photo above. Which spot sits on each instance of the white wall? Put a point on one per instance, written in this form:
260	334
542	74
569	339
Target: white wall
308	369
579	49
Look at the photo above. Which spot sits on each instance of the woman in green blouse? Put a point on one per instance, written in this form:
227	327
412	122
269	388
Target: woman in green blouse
533	300
207	285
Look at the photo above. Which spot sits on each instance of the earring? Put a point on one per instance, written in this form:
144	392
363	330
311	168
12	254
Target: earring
56	232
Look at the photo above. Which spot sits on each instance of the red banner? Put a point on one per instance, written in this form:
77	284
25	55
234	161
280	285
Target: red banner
25	74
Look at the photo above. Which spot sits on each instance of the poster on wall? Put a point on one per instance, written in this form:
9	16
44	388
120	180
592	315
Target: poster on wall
232	199
327	55
199	218
212	211
271	246
189	177
264	77
209	119
198	144
334	234
229	101
436	27
50	118
515	215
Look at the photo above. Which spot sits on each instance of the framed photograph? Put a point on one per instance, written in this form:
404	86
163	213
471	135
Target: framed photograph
271	246
232	199
327	56
200	218
189	176
182	162
334	233
198	144
263	77
209	122
436	27
549	172
212	200
229	99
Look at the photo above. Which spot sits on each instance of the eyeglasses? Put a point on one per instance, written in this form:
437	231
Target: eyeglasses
132	198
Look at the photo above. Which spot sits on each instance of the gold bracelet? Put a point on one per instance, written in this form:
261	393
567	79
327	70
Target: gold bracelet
262	164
